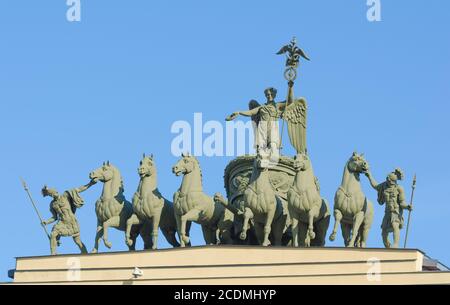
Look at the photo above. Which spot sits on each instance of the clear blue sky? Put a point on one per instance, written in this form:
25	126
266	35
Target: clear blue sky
73	95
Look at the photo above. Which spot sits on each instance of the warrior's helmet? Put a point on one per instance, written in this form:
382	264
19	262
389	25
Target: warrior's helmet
48	191
395	176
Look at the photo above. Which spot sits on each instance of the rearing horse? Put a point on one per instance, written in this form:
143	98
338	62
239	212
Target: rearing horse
310	213
263	206
352	209
112	209
150	208
192	204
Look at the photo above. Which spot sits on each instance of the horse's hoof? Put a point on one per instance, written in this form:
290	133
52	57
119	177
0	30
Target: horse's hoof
107	244
129	243
186	239
312	235
94	251
243	236
333	237
266	244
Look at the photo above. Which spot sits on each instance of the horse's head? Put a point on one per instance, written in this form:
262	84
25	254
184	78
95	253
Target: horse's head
301	162
357	164
146	166
185	165
104	173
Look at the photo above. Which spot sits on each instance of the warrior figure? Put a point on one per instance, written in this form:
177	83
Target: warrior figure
393	196
63	209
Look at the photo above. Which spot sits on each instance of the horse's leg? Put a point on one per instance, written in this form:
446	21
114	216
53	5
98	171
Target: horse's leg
209	235
358	238
170	236
311	215
364	234
133	220
188	230
144	229
248	214
295	228
268	226
112	222
367	223
321	228
337	221
80	244
98	235
346	233
192	215
155	230
178	221
259	232
303	235
225	226
357	221
278	226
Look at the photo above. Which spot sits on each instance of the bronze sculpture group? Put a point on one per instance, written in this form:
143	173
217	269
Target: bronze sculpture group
272	199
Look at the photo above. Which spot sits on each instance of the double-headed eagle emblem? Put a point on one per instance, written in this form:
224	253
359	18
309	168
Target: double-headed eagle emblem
294	53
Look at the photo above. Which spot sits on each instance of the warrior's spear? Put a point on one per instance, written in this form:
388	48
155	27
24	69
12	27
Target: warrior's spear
409	215
35	208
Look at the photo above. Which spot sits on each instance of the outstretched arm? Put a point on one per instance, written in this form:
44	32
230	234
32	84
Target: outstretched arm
247	113
372	181
86	186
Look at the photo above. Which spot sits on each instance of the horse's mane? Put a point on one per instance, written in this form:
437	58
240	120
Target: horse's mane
118	176
198	166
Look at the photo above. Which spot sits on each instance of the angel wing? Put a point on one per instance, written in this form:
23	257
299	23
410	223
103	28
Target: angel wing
295	115
252	105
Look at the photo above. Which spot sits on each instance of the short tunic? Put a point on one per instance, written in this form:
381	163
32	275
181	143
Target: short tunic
64	208
393	196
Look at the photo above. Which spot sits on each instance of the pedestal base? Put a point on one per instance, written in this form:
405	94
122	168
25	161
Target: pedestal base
238	265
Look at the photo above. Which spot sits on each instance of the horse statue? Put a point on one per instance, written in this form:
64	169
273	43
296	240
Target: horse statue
150	208
352	209
263	206
236	219
309	213
192	204
112	209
